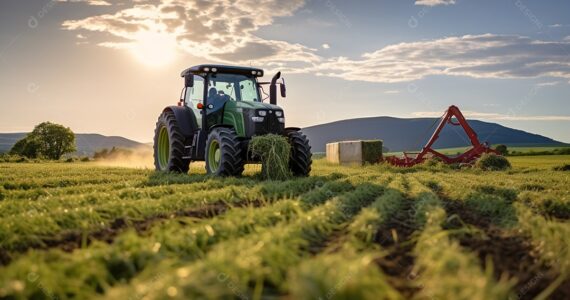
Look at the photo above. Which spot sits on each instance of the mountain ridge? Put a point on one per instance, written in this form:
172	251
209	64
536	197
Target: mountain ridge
87	143
413	133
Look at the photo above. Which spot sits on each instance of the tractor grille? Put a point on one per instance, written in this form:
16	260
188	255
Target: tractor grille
270	124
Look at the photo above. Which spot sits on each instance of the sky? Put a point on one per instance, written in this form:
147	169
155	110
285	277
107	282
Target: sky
110	67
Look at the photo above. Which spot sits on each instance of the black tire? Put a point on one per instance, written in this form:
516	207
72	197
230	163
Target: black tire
301	157
231	156
175	162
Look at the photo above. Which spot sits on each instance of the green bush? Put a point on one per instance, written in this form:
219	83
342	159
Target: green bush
493	162
433	162
273	151
502	149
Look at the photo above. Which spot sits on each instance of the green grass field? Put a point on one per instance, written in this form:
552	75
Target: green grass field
81	230
516	149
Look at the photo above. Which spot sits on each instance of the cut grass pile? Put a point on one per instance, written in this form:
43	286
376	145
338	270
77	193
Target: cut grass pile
274	151
492	162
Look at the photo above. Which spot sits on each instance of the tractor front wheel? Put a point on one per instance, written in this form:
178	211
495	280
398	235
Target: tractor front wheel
169	145
224	156
301	158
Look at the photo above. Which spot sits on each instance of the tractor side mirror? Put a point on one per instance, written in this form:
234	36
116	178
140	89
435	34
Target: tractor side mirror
189	80
283	88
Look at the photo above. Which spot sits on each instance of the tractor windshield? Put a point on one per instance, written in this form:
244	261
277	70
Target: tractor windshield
236	87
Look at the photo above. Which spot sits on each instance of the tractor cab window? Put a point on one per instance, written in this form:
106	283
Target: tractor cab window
248	88
231	87
195	95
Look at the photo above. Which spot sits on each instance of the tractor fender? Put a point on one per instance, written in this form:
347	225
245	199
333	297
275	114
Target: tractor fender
289	129
185	118
222	126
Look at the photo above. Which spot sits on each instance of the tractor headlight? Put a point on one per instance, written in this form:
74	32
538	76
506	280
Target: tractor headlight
257	119
262	113
278	113
281	120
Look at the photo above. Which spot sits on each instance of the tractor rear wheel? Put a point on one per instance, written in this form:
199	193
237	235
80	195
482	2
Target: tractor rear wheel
169	145
300	160
224	155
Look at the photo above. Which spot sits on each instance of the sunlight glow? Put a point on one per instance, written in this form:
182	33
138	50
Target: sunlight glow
155	49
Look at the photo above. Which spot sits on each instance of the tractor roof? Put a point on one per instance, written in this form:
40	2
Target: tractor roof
200	69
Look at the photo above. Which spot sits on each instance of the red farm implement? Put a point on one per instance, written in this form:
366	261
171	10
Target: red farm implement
412	158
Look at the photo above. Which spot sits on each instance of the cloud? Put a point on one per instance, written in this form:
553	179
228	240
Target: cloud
477	56
221	31
326	46
392	92
89	2
226	31
558	25
434	2
551	83
493	116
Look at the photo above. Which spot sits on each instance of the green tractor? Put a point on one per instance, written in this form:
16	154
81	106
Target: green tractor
220	109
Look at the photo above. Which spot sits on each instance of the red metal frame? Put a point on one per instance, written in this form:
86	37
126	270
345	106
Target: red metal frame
468	157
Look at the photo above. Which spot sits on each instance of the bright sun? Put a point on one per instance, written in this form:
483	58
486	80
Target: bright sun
154	48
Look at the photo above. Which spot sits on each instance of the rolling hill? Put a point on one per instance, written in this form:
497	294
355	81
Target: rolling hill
87	143
411	134
397	134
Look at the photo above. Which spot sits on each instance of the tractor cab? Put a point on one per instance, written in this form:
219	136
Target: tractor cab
220	105
232	96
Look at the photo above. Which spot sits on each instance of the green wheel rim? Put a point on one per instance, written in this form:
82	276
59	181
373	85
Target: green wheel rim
214	156
163	148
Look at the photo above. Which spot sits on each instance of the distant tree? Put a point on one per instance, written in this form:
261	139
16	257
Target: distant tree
502	149
47	140
28	147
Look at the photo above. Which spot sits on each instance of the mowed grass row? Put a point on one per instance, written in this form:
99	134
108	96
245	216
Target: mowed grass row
304	229
501	207
256	265
353	258
443	269
179	239
49	219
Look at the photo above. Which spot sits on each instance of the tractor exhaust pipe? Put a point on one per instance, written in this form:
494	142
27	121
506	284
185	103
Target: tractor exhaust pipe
273	89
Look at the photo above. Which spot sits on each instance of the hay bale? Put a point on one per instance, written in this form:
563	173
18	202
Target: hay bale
493	162
273	151
354	152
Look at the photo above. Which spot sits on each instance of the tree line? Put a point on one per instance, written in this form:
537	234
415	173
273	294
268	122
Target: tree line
47	140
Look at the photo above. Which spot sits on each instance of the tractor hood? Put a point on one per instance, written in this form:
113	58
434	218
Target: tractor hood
256	105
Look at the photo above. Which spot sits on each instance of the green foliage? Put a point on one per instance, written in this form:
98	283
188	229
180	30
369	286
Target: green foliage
492	162
372	151
502	149
532	152
47	140
28	147
274	151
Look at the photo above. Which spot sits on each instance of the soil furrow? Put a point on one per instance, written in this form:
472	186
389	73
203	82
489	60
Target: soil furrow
512	254
72	240
395	236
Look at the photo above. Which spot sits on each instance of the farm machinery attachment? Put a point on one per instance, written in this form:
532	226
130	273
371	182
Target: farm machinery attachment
413	158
